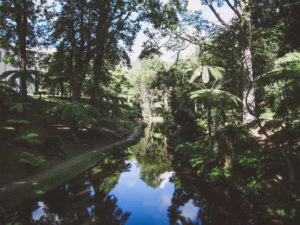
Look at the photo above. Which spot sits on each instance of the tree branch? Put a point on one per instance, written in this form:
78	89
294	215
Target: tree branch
234	9
208	2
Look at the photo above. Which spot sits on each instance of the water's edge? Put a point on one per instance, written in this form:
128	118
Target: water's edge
13	196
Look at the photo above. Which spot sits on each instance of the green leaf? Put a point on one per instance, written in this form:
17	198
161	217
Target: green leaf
11	121
205	75
196	74
215	73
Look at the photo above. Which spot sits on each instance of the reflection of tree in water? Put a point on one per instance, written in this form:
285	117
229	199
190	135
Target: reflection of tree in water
83	201
180	198
211	206
152	156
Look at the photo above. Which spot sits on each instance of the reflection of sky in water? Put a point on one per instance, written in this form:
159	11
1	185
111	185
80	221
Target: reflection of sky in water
91	189
190	211
146	205
90	209
38	213
165	177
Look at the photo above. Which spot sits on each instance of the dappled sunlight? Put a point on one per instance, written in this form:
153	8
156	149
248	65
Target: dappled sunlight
9	128
61	127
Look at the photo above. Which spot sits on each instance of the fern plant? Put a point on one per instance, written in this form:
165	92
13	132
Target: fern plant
19	106
28	139
77	115
23	76
17	123
222	102
206	72
281	88
31	160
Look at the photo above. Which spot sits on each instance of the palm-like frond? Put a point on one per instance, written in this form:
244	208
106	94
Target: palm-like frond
281	87
206	72
12	75
216	97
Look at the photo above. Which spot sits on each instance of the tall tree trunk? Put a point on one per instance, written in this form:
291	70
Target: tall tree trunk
61	89
21	21
166	100
76	88
97	74
245	43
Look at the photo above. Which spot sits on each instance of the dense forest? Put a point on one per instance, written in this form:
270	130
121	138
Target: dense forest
228	112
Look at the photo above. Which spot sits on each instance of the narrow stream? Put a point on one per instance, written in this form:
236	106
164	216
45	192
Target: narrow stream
136	187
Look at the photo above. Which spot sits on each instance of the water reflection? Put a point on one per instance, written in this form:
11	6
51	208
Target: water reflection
85	200
146	188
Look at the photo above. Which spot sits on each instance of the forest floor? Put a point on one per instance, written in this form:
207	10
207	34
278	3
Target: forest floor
52	141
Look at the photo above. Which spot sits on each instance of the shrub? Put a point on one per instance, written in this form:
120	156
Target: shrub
28	139
31	160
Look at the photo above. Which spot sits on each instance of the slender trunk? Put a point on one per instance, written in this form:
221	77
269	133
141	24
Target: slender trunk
289	165
74	131
209	126
245	43
248	94
166	101
61	89
76	89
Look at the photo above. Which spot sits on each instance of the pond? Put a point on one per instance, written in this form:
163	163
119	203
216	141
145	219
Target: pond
140	185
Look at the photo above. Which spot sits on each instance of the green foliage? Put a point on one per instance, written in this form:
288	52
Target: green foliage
216	97
28	139
19	106
17	123
218	173
206	71
199	155
83	114
281	88
11	121
31	160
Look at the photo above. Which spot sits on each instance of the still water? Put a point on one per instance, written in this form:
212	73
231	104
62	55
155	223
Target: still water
138	186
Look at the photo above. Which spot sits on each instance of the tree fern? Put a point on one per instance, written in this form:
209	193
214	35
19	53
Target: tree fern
281	87
206	72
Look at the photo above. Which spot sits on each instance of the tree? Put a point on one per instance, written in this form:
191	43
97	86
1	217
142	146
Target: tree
74	36
18	33
242	10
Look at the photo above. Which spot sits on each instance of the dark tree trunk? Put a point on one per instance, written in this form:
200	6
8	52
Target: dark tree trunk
21	21
209	122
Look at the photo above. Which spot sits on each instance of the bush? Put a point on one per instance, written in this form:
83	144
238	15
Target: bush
31	160
28	139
